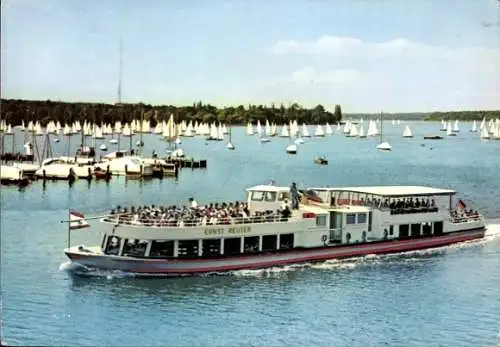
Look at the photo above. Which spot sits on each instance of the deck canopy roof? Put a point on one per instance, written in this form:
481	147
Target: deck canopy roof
268	188
393	191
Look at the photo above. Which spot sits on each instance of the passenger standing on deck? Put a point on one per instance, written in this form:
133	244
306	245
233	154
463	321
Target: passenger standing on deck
194	203
295	196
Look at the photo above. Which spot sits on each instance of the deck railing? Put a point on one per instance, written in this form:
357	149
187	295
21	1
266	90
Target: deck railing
134	221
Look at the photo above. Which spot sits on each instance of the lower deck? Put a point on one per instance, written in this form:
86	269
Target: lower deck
236	245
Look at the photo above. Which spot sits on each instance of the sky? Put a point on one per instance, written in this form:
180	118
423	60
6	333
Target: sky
366	55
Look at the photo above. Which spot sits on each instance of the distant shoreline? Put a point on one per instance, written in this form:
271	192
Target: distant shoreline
14	111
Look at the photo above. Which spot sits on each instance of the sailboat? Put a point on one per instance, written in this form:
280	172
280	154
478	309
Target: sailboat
407	132
383	145
474	127
230	145
449	130
291	148
361	132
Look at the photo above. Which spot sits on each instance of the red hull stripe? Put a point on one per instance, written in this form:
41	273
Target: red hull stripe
347	252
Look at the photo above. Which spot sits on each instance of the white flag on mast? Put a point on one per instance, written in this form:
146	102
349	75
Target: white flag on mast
77	220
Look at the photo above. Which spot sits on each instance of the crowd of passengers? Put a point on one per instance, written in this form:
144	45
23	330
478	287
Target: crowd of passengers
458	216
194	215
404	205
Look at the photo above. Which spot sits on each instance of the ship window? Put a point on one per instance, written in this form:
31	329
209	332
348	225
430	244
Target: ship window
269	242
103	241
438	228
286	241
232	246
134	248
211	247
321	220
391	230
257	196
251	244
361	218
113	245
283	195
350	218
162	249
427	229
370	221
415	229
188	248
270	196
404	231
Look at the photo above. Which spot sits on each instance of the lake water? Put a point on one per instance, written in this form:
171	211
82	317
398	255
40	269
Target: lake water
444	297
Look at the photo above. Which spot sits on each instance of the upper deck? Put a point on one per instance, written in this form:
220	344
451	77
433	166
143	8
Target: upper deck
397	198
390	191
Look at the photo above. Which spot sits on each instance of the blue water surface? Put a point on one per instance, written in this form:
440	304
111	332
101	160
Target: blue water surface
444	297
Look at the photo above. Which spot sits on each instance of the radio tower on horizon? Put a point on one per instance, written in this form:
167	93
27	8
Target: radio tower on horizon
120	66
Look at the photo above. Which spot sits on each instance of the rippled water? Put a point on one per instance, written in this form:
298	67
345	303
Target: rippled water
443	297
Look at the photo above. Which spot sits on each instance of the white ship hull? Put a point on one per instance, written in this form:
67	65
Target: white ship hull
263	260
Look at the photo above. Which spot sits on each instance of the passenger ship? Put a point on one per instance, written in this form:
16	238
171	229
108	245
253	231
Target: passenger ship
328	223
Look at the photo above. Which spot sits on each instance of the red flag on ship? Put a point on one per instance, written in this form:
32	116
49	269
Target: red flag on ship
77	220
461	205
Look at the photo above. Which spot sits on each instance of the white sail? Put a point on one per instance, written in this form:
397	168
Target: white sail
354	131
483	123
347	127
474	127
484	134
305	131
319	131
329	130
214	133
258	128
496	132
268	129
284	131
361	131
249	129
98	133
384	146
372	129
449	130
407	132
220	133
455	127
492	126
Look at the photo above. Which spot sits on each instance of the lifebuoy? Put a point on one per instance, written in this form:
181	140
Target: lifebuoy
324	238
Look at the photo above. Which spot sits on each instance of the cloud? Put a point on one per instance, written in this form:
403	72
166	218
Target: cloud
398	74
309	74
332	45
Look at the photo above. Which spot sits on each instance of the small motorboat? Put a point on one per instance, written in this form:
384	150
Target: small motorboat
101	174
320	161
291	149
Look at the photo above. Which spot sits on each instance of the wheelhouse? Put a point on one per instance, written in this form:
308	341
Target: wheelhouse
267	197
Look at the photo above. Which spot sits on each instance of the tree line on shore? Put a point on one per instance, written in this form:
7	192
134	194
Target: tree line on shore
15	111
463	115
